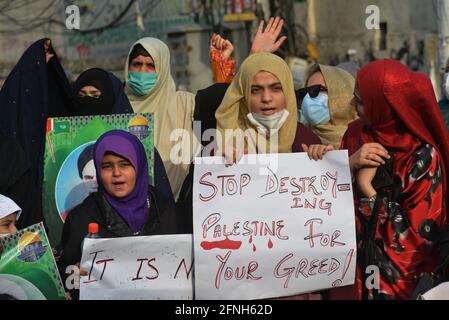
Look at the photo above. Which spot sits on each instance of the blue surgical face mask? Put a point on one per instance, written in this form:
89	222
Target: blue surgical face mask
302	118
315	110
141	83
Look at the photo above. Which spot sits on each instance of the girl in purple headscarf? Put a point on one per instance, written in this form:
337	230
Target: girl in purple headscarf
119	159
125	204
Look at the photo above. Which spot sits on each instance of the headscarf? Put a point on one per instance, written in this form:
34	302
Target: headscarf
403	113
172	110
13	163
8	207
351	67
232	113
16	183
112	99
340	90
33	91
133	208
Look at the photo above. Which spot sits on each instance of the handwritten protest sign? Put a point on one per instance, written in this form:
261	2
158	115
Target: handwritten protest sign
279	228
137	268
27	266
69	171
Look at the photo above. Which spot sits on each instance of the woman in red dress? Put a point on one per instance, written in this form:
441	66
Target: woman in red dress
399	157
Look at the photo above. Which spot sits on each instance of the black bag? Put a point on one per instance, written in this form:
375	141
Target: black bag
440	238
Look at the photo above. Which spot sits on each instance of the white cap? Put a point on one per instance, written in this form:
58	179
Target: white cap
7	207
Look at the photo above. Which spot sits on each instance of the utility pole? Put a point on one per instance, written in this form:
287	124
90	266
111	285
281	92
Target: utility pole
443	46
285	10
248	25
443	26
311	21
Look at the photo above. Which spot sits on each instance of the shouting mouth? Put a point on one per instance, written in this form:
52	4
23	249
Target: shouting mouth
118	184
268	111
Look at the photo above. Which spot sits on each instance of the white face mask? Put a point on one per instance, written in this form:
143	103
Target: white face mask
272	123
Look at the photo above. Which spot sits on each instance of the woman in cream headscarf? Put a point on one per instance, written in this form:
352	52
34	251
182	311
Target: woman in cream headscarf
328	113
266	107
151	88
261	98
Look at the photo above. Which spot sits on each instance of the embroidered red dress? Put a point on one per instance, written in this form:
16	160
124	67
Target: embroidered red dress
404	117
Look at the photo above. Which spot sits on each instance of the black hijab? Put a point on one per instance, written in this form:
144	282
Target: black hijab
33	91
16	183
112	99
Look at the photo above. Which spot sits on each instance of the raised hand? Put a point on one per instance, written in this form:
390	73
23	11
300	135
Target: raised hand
222	45
267	41
48	54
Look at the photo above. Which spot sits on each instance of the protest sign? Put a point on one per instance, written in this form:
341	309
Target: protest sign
272	228
138	268
27	266
69	172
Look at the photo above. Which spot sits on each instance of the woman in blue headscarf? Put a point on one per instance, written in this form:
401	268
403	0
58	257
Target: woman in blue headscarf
125	204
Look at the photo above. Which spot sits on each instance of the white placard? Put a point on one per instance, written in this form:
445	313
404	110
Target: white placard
138	268
440	292
273	225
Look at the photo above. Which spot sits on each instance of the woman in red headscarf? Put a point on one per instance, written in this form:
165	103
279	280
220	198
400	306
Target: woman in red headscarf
399	112
399	157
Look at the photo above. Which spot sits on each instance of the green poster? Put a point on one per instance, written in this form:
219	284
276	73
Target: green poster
69	172
27	266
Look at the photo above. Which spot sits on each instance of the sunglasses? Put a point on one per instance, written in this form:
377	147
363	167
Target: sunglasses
313	91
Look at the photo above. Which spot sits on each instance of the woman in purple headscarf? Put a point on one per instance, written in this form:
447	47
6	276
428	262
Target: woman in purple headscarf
125	204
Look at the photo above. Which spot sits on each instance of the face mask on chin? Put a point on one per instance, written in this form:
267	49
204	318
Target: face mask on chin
268	124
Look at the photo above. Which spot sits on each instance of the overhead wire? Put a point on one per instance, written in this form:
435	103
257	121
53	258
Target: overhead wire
25	26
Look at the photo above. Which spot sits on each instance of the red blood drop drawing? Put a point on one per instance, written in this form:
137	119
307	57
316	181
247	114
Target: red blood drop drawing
251	239
254	247
270	244
222	244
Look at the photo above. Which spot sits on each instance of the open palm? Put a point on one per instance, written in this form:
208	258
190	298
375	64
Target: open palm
267	41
